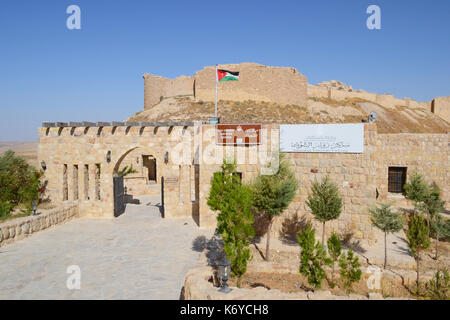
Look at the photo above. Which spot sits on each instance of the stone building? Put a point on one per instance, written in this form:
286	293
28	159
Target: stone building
178	160
272	84
256	82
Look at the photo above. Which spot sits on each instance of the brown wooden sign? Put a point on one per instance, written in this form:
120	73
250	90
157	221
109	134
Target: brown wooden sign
238	134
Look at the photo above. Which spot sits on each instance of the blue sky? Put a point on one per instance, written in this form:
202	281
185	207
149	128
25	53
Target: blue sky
50	73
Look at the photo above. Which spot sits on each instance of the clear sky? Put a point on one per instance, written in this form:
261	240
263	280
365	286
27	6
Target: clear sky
51	73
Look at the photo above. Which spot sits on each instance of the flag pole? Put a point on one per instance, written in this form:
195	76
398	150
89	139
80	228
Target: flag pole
215	109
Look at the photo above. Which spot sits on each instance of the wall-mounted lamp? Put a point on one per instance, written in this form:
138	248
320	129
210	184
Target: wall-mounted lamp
137	160
108	156
166	157
43	165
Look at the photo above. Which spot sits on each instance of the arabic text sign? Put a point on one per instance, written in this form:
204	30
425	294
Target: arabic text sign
332	138
238	134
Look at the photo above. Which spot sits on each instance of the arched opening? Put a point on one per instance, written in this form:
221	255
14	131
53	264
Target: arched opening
137	180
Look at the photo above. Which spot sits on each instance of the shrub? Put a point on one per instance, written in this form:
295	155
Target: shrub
234	221
441	229
418	240
334	250
313	256
20	183
5	209
350	271
438	288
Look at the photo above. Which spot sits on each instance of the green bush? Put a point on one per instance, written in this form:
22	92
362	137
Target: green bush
5	209
233	201
20	183
334	250
350	269
312	258
438	288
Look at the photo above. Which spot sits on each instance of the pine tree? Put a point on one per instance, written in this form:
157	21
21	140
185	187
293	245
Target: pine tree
272	194
235	219
438	288
441	229
416	188
387	221
431	204
334	250
312	257
350	269
325	202
418	240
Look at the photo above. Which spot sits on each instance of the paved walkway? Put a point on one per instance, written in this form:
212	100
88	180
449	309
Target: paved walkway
138	255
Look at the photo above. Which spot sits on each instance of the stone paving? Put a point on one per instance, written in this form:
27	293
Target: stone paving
138	255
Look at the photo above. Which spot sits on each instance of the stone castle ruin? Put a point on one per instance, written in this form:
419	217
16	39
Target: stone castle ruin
272	84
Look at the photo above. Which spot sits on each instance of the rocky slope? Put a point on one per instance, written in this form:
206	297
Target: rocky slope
319	110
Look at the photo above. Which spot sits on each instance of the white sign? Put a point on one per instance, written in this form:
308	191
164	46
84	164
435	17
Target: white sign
332	138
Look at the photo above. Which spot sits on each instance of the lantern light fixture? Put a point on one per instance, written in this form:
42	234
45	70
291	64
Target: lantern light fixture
224	273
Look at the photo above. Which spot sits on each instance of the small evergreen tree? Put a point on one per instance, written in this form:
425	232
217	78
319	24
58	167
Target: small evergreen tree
312	257
272	194
441	229
350	269
325	202
418	240
388	221
438	288
235	219
416	188
431	204
334	250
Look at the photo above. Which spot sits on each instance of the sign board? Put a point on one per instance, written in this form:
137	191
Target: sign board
330	138
238	134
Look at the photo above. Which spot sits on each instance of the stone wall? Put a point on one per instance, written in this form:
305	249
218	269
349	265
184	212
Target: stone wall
20	228
360	177
81	152
256	82
441	107
342	93
156	88
428	154
193	156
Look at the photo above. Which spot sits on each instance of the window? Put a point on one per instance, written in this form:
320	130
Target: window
75	182
65	186
86	182
97	182
396	179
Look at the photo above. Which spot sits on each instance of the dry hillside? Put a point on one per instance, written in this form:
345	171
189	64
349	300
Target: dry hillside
28	150
320	110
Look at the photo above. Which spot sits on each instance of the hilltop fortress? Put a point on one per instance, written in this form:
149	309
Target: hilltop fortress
272	84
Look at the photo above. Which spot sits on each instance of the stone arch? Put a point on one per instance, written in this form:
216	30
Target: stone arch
139	186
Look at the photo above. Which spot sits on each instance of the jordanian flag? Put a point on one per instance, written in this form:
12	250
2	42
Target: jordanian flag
225	75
